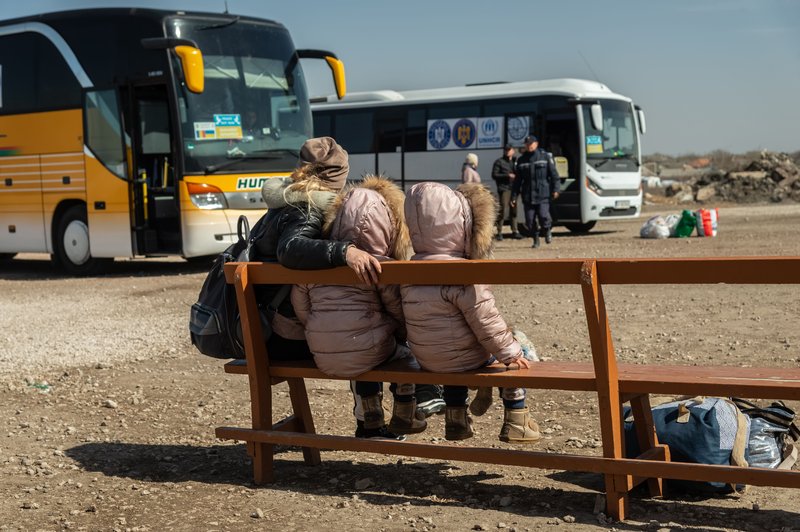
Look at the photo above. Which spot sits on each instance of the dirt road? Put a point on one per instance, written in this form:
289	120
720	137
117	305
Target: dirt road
107	412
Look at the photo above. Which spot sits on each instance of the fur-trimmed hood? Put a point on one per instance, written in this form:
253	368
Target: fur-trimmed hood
282	191
446	223
370	214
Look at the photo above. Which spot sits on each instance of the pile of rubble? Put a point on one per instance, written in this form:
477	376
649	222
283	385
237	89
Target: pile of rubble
774	177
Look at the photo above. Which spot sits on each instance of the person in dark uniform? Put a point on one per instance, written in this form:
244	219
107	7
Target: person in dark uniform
537	183
503	175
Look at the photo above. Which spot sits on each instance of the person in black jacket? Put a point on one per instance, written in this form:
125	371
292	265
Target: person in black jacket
503	173
292	236
537	183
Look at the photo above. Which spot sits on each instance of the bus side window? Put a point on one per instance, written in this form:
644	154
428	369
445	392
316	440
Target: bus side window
322	125
104	131
354	131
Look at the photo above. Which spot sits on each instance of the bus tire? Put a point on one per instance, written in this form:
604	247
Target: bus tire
579	228
71	244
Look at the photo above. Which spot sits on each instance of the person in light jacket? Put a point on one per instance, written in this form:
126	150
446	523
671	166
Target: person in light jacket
353	329
458	328
469	171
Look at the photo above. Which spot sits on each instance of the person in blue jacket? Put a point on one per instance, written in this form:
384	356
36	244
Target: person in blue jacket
536	183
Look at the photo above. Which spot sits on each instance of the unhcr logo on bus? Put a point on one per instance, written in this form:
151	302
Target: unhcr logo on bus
490	135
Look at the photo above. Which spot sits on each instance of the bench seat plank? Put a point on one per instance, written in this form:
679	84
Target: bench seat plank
756	383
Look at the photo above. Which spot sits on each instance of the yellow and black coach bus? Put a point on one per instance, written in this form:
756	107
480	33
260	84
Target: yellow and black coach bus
139	132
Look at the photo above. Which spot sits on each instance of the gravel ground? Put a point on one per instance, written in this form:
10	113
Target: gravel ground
108	422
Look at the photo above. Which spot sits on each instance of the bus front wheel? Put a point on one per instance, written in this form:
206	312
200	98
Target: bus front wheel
71	244
580	228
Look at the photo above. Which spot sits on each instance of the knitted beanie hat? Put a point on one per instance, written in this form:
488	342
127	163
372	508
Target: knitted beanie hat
329	159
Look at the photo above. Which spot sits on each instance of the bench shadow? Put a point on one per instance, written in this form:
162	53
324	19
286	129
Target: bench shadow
44	270
400	482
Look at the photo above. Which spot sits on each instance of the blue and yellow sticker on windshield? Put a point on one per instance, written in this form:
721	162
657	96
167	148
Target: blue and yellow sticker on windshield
594	144
228	126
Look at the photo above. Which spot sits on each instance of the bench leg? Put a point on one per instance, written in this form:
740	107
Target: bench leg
646	435
262	454
302	411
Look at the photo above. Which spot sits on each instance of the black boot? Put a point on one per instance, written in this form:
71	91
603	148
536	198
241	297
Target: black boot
548	237
535	241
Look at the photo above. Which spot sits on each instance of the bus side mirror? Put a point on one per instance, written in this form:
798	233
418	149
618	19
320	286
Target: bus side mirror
190	55
597	116
642	123
192	64
337	69
335	64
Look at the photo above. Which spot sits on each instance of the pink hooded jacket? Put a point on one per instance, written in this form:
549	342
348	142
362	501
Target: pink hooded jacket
352	329
453	328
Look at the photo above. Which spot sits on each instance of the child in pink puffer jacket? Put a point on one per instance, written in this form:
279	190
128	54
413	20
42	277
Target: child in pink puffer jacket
458	328
353	329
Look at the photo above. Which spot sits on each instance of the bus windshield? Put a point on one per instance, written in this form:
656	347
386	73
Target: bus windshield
618	142
253	114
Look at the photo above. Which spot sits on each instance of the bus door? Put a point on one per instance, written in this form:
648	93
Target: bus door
106	163
390	131
560	137
155	214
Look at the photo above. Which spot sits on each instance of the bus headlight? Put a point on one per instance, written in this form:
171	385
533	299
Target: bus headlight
594	187
207	197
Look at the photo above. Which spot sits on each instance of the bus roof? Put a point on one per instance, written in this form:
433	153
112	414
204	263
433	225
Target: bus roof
576	88
154	14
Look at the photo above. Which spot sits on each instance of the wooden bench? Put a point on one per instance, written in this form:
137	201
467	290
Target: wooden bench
615	384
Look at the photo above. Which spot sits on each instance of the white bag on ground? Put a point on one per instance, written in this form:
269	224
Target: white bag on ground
655	227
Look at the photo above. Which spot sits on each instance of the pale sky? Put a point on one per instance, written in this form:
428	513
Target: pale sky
710	74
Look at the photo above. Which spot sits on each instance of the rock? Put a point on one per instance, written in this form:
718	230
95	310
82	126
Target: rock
568	519
30	506
505	501
756	507
258	514
685	197
752	175
502	525
363	483
706	193
479	527
110	403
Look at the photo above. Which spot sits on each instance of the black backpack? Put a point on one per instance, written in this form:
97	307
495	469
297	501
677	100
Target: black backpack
214	324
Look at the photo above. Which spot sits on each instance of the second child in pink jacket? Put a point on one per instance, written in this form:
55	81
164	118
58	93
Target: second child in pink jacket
458	328
353	329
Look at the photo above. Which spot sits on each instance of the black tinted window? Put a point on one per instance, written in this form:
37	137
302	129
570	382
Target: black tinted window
18	63
354	131
57	87
322	125
35	76
416	130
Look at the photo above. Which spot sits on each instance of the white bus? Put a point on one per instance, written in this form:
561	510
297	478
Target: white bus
424	135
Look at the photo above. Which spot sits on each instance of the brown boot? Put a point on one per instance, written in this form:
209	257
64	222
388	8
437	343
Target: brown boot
457	423
482	402
519	427
373	411
405	420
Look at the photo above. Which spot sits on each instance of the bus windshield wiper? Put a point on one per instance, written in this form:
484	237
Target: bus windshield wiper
290	151
214	168
220	25
629	157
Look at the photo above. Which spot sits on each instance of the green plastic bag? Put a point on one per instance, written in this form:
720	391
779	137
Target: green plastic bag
686	224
